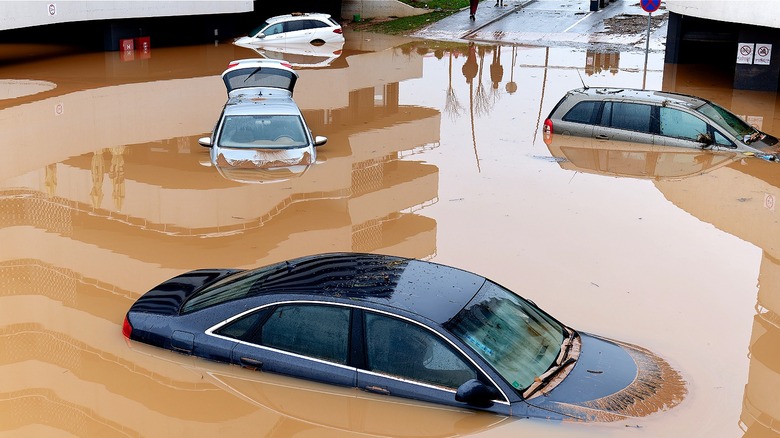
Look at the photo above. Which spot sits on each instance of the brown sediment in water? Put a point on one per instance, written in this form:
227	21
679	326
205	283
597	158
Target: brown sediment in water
657	387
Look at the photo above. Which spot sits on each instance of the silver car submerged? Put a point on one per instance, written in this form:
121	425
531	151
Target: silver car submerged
656	117
261	126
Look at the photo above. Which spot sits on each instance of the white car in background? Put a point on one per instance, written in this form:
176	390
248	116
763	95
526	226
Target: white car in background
313	28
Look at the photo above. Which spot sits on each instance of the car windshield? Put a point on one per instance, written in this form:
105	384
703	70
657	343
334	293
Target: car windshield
270	131
727	120
230	288
516	338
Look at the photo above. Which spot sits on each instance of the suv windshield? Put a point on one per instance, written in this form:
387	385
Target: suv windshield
727	120
516	338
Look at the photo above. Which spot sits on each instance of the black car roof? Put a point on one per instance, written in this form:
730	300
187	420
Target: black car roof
428	289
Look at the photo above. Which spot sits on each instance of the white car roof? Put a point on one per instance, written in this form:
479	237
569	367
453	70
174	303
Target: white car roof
297	16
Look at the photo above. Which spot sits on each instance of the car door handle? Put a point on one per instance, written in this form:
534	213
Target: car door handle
602	137
378	390
248	362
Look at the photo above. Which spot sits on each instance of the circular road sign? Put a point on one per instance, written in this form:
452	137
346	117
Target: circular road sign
650	5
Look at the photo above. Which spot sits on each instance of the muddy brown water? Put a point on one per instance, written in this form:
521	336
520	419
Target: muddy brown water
435	152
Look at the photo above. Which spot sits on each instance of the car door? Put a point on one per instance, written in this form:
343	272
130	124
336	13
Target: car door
273	34
625	121
305	340
404	359
296	32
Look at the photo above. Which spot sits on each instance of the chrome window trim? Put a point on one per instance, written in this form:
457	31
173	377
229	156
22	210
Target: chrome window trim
217	326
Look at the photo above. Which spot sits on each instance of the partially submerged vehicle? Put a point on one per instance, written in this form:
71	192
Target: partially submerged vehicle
407	328
260	125
658	118
298	27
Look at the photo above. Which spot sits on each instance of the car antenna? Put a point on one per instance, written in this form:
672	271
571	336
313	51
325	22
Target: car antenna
581	80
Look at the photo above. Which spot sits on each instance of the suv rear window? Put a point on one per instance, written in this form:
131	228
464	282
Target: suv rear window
582	112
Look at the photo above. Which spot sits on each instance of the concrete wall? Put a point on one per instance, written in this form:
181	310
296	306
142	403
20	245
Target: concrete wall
22	14
752	12
378	9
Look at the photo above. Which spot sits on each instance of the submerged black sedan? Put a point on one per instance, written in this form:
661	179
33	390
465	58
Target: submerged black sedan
407	328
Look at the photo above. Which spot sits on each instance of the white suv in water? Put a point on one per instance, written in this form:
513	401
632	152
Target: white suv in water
655	117
314	28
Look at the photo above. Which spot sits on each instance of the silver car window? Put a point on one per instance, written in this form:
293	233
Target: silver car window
679	124
630	116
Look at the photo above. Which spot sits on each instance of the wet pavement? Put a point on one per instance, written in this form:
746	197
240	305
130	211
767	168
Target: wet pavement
434	152
618	24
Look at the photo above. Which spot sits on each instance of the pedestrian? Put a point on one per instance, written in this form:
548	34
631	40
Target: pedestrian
499	3
473	8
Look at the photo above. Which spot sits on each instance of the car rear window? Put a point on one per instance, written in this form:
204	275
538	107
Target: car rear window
231	288
582	112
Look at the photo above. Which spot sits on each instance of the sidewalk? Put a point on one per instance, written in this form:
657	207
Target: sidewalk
459	26
621	23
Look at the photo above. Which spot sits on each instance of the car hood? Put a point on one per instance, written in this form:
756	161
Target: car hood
767	144
611	381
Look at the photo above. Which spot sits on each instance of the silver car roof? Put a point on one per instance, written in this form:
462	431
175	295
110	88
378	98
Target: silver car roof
639	95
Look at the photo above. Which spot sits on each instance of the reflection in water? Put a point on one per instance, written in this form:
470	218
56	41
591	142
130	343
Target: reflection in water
634	160
72	261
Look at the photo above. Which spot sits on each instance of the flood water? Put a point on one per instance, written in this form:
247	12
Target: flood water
435	152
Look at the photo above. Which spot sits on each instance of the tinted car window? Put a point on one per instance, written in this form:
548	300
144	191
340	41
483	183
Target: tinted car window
581	112
679	124
406	350
319	331
245	328
294	25
629	116
233	287
313	24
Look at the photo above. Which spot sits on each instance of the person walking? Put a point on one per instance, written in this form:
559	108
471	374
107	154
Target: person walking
473	8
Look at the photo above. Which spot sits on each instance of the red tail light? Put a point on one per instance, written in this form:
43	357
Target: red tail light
547	132
127	329
232	64
339	30
287	64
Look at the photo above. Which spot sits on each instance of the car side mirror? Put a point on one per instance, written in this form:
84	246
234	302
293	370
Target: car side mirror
205	142
320	140
476	393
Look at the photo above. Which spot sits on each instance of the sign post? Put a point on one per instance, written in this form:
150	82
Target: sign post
649	6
